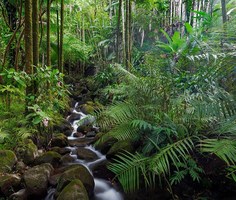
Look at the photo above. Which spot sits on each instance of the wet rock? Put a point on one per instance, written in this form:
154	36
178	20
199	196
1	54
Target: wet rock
27	151
9	182
84	128
20	167
36	179
59	140
74	190
78	134
77	172
86	154
73	117
67	159
81	142
20	195
51	157
61	151
63	127
87	109
91	134
119	147
7	160
105	144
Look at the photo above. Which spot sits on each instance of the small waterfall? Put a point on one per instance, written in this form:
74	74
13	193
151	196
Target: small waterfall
103	190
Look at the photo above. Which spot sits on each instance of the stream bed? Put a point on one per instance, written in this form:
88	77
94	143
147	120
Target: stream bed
104	189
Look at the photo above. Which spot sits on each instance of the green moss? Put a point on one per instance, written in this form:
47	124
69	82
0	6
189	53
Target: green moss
7	160
74	190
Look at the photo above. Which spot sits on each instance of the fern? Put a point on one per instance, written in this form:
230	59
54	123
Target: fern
225	149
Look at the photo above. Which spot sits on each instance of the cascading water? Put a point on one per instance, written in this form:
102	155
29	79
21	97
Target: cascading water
103	190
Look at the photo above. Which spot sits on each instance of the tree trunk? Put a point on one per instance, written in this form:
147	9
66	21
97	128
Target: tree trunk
28	37
61	36
224	12
48	34
118	32
35	24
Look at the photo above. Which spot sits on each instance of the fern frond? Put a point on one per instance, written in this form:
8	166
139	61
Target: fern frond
225	149
128	169
172	154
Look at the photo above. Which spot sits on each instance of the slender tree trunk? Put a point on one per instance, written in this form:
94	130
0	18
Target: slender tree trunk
224	12
61	36
35	23
48	34
118	32
58	41
28	48
28	37
123	32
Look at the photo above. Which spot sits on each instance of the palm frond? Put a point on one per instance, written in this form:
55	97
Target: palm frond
128	169
225	149
172	154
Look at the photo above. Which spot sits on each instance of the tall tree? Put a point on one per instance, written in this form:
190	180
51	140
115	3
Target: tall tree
224	13
28	37
48	34
35	24
61	37
118	32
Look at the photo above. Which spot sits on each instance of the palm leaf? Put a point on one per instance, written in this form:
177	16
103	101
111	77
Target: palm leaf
225	149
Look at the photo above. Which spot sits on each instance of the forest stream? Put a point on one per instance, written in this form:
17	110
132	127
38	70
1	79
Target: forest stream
104	189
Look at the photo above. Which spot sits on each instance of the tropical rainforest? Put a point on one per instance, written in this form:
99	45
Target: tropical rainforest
118	99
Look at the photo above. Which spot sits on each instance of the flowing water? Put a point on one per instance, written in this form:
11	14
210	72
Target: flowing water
103	189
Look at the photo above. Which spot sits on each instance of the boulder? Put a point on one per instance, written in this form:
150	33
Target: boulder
59	140
64	127
77	172
62	151
120	146
20	195
20	167
67	159
73	117
78	134
87	109
7	160
81	142
36	179
51	157
104	142
74	190
8	183
27	151
86	154
91	134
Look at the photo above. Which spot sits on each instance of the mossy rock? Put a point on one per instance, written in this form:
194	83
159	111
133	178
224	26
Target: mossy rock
87	109
74	190
8	183
86	154
27	151
77	172
59	140
51	157
119	147
7	160
36	179
104	143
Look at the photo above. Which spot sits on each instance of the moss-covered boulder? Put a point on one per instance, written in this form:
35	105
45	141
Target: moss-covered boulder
86	154
59	140
62	151
77	172
104	142
74	190
67	159
119	147
8	183
36	179
27	151
7	160
51	157
87	109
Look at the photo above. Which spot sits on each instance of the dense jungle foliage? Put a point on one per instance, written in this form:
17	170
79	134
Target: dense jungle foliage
162	71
